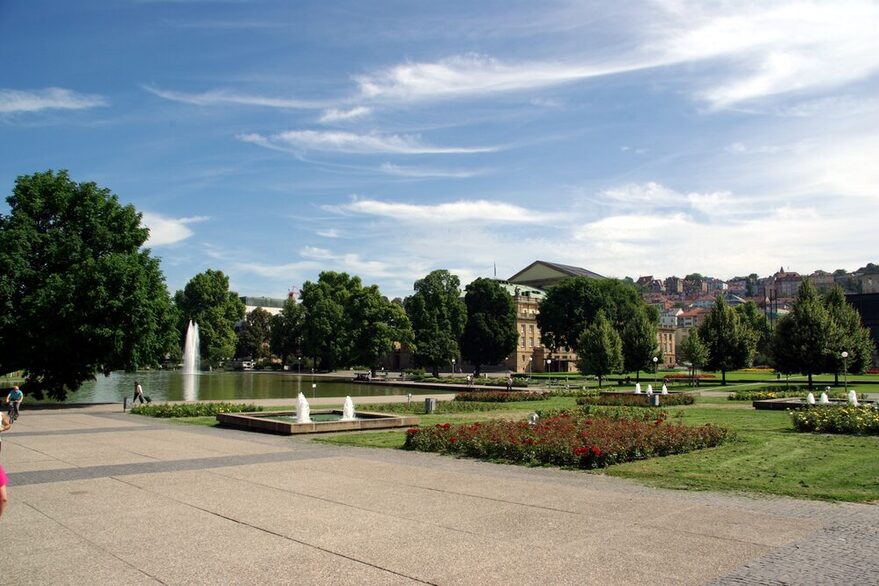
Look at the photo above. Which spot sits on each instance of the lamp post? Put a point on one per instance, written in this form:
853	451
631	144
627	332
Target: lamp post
529	367
453	366
655	368
299	364
549	365
845	368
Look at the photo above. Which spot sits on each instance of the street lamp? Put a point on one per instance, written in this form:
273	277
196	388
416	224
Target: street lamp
299	364
655	367
453	366
529	367
549	365
845	368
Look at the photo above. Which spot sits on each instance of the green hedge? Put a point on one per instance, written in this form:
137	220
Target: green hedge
501	396
782	392
837	419
442	407
191	409
633	400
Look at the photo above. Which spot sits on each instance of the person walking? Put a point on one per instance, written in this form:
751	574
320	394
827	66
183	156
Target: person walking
13	402
509	382
3	482
138	393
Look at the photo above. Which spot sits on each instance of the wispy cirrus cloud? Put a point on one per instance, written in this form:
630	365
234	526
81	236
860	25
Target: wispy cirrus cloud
349	142
331	115
482	211
165	230
222	96
428	172
52	98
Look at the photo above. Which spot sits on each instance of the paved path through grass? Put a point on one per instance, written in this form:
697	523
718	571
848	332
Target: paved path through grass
100	497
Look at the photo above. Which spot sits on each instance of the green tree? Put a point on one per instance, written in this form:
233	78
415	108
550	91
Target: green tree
600	349
376	325
572	305
438	316
730	342
852	336
254	334
694	352
207	300
804	339
285	339
78	294
490	333
639	340
756	321
326	332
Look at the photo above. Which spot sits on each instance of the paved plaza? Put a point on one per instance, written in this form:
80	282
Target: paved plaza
102	497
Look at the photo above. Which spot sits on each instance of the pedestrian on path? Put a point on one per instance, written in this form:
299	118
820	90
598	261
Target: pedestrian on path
509	382
13	402
3	482
138	393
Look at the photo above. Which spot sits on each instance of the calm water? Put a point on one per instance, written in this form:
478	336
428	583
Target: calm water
175	386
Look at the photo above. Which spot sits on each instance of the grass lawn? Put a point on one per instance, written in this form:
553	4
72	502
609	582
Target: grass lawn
767	456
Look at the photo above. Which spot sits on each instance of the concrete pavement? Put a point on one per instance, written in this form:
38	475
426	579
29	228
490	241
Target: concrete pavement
102	497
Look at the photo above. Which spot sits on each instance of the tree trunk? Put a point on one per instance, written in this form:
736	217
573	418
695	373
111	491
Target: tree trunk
836	379
435	371
637	376
476	370
723	377
599	381
810	380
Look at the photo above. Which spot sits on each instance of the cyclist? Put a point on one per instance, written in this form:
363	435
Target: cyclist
13	400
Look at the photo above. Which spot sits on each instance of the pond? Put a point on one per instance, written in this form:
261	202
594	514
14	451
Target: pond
162	385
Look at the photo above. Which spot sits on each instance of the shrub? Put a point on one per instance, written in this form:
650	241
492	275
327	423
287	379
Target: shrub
638	413
837	419
191	409
417	407
680	376
783	392
566	440
632	400
581	392
501	396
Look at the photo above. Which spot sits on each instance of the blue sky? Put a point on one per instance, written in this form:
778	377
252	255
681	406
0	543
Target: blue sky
274	139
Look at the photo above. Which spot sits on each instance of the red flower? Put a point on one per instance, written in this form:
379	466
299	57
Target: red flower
453	439
412	431
444	425
596	451
580	451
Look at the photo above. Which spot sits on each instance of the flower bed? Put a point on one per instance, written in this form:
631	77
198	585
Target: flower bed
566	440
501	396
783	392
681	376
833	419
633	400
417	407
192	409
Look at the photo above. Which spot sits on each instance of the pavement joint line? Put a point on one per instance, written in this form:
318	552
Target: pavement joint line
13	434
157	467
95	545
276	534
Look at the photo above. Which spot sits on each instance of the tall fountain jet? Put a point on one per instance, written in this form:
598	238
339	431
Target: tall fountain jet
191	351
303	410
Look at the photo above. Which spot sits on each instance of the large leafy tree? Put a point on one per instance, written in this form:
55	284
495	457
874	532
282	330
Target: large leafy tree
78	293
572	305
438	316
600	349
639	339
694	352
285	339
207	300
756	321
254	334
376	324
326	333
730	342
851	335
490	333
804	340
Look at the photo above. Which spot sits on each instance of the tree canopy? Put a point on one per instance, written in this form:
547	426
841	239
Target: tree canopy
490	333
207	300
326	335
730	343
694	352
639	340
852	336
78	294
376	325
600	349
254	334
438	316
804	340
756	321
285	339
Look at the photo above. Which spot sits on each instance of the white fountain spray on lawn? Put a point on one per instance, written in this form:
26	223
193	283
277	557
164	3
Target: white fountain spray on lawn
348	410
191	355
303	411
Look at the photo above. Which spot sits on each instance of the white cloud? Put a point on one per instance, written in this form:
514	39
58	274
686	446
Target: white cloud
473	74
348	142
341	115
329	233
479	211
220	97
655	196
53	98
426	172
164	230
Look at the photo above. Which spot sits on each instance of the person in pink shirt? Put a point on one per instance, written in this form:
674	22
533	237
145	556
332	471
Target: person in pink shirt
3	482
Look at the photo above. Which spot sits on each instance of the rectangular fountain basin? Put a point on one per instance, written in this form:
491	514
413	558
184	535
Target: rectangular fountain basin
323	421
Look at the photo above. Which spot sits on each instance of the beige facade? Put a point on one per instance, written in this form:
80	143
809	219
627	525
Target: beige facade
665	336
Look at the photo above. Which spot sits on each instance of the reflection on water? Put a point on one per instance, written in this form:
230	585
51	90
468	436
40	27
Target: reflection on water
174	386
